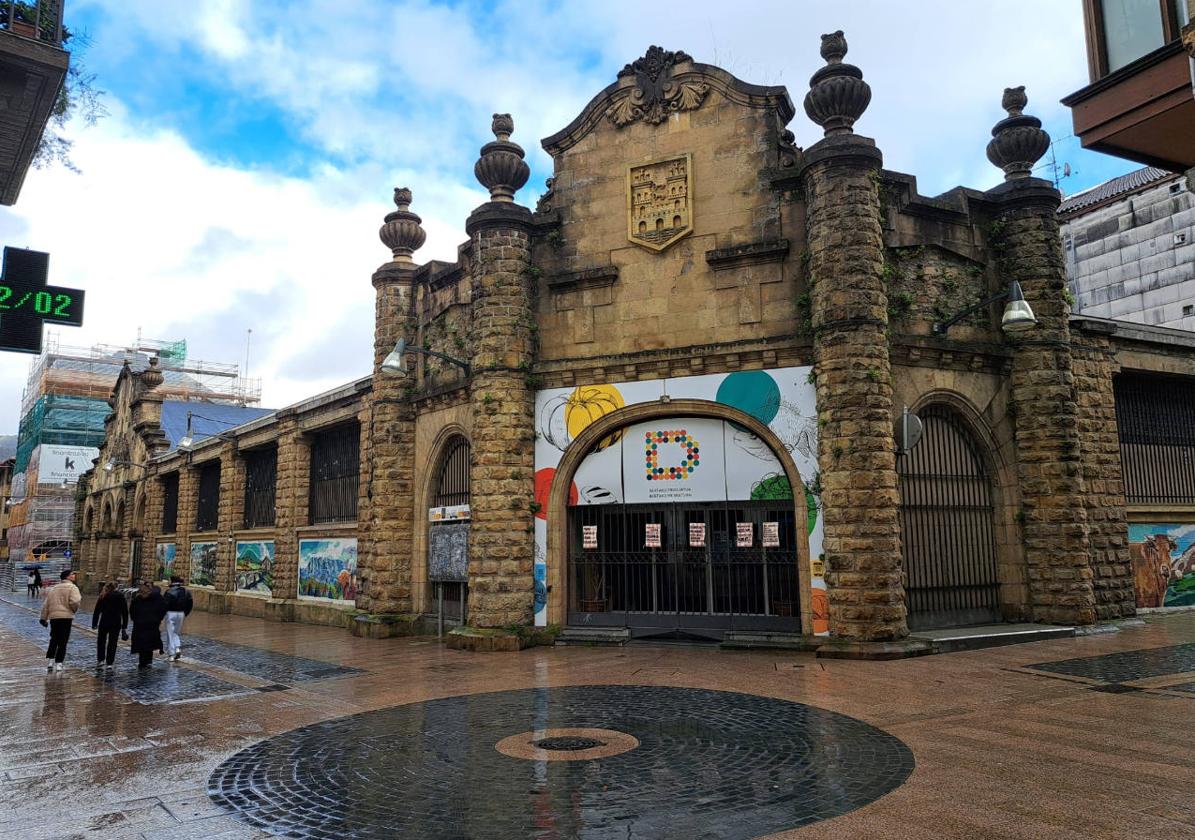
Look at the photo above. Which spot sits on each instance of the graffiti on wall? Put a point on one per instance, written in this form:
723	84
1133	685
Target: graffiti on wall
328	569
255	567
1163	564
690	459
164	553
203	564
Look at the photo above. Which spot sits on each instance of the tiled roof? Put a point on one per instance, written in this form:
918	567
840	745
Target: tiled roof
1123	185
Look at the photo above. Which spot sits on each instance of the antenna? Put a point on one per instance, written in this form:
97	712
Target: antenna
1058	172
248	338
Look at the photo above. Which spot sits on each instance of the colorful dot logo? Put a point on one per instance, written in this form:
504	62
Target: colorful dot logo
652	441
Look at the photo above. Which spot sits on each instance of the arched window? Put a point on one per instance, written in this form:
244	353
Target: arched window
452	487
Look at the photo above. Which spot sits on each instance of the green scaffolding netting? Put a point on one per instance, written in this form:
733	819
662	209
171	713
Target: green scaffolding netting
174	350
72	421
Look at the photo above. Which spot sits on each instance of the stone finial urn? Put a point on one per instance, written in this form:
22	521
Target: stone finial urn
1018	140
837	93
152	377
501	168
401	232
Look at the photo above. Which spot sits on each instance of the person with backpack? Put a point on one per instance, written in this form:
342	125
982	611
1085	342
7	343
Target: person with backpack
111	618
58	613
146	612
178	607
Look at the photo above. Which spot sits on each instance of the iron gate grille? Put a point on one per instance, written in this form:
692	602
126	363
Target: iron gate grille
453	487
207	513
701	590
334	468
1155	418
947	536
170	503
261	473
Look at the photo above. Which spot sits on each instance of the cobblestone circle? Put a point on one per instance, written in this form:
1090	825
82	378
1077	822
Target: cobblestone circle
711	764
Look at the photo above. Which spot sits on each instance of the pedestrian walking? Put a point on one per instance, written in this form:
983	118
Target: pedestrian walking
146	612
178	607
36	582
31	585
58	612
111	619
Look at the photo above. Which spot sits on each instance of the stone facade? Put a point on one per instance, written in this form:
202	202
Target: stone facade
684	236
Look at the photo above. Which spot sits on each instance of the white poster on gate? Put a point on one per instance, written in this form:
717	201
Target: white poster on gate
58	464
674	460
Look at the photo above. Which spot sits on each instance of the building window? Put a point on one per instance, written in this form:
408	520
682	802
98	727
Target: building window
1189	310
170	503
207	511
334	469
261	473
453	487
1130	29
1155	418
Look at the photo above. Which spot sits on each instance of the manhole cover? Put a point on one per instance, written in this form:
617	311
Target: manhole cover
568	742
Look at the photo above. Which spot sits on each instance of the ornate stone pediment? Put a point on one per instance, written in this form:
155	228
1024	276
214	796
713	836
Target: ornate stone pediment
660	202
656	94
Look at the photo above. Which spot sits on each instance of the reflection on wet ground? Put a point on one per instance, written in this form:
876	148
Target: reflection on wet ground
717	744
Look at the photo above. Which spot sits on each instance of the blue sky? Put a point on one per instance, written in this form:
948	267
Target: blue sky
251	147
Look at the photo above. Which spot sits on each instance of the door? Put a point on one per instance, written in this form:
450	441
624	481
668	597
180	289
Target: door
947	535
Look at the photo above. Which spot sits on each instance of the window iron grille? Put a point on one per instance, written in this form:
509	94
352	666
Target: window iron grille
261	474
453	487
207	511
1155	420
335	465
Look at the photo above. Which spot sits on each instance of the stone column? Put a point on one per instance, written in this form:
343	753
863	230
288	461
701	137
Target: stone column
154	502
1025	241
188	501
849	301
388	426
290	501
501	483
232	469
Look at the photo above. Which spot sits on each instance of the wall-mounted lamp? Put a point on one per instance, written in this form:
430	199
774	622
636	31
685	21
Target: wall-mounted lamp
1018	317
113	462
395	363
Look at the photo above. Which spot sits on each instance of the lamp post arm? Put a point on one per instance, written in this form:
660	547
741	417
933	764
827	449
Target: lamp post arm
940	327
462	365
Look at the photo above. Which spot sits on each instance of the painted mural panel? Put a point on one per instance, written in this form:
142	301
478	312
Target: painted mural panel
203	564
673	460
164	554
255	567
782	399
328	569
1163	558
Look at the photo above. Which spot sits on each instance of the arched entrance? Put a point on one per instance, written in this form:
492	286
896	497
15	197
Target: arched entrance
678	519
947	526
448	532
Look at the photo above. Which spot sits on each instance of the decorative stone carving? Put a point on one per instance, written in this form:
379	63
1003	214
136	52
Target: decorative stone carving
544	205
1018	141
837	93
401	232
152	377
501	168
659	202
656	94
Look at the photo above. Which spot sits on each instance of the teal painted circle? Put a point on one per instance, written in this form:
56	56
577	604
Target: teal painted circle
752	392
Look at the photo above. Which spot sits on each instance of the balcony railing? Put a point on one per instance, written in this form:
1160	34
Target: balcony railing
40	20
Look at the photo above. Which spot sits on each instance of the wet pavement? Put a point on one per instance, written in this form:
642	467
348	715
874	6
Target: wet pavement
321	734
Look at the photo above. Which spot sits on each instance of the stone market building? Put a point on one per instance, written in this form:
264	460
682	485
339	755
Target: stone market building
663	402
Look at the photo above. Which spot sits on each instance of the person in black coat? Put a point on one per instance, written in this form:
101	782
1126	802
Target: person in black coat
111	618
147	611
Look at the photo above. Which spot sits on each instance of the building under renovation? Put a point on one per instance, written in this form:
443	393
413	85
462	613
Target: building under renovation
63	407
662	403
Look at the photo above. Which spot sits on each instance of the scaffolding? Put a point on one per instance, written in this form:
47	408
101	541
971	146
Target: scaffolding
65	402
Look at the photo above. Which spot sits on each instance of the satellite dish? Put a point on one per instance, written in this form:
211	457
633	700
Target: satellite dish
907	431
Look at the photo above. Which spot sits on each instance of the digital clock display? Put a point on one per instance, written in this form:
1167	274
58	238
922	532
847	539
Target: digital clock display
52	304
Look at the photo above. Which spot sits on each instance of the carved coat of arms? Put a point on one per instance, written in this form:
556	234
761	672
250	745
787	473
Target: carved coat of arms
660	202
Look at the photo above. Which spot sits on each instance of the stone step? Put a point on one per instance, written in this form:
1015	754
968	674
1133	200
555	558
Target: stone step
593	636
990	635
747	639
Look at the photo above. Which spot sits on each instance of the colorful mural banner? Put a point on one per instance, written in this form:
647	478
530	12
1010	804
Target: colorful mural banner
328	569
255	567
164	554
203	563
1163	558
717	459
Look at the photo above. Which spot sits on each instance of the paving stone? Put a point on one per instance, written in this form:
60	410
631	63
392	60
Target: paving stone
1127	665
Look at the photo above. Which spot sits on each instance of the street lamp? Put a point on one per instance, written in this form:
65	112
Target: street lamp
113	462
395	364
1018	316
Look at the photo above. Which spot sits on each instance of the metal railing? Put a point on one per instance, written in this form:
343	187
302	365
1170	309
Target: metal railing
37	19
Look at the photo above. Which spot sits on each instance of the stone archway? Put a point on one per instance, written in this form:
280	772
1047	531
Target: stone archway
557	548
450	442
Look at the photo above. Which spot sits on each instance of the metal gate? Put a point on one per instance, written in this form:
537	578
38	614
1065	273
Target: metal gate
682	587
946	527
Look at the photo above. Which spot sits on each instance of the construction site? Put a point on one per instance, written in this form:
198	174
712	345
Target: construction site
63	408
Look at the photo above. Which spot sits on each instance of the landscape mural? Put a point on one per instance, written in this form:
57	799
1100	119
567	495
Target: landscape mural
203	564
712	460
328	569
165	557
255	567
1163	558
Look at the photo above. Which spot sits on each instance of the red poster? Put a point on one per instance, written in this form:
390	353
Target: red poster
696	535
652	535
744	534
588	536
